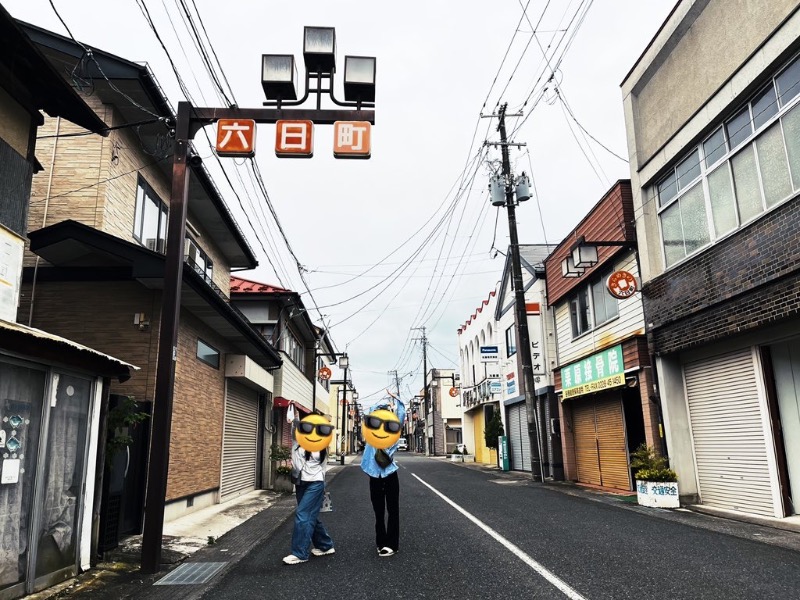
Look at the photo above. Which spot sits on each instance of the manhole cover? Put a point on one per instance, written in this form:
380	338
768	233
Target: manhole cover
191	573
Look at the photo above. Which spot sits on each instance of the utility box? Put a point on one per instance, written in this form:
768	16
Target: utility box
502	452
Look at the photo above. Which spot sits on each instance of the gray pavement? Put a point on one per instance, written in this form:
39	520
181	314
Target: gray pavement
118	578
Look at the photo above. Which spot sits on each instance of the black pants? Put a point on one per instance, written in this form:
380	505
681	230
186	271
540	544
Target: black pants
384	492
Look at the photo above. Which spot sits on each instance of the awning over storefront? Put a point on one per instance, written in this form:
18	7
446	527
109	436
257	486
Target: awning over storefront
35	343
281	402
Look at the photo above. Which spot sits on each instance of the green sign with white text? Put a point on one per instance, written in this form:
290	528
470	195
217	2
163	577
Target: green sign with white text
595	373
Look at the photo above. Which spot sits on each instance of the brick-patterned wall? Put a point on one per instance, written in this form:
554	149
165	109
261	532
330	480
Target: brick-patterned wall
198	411
750	279
100	316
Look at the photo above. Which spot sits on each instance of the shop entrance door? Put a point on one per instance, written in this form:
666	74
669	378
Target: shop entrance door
44	418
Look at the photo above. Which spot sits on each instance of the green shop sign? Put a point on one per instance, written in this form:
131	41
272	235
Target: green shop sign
596	373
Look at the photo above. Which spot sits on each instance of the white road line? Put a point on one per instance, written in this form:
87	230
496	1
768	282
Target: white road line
516	550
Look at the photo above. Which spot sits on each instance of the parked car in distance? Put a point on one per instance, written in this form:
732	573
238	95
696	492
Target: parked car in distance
403	444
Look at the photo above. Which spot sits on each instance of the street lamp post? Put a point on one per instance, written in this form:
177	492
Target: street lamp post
319	52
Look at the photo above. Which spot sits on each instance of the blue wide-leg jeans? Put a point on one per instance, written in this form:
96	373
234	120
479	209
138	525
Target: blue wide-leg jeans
308	529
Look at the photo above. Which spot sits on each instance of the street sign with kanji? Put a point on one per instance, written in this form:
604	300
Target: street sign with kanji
236	137
294	139
352	139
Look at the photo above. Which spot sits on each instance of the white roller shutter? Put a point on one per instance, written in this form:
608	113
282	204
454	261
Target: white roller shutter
518	439
240	441
728	433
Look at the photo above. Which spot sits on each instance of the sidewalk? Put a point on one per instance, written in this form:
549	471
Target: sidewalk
213	535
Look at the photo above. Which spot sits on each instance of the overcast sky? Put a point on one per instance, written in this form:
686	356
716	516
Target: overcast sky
406	239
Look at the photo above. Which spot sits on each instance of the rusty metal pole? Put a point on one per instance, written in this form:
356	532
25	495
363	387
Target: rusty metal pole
167	348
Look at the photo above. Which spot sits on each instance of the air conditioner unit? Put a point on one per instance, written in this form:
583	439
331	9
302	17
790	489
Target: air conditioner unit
190	251
155	244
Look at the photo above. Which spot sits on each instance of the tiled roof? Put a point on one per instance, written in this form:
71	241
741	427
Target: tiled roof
245	286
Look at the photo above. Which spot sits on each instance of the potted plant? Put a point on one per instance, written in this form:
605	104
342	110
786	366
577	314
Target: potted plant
465	455
281	458
456	456
494	430
656	483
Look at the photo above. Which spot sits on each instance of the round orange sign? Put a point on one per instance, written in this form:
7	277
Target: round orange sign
622	284
324	373
453	392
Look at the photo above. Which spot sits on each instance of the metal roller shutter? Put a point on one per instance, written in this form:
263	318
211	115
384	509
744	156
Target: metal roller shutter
600	447
586	456
611	444
518	439
728	432
240	441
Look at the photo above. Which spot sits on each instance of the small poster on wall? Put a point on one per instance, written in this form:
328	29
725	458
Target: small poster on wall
11	247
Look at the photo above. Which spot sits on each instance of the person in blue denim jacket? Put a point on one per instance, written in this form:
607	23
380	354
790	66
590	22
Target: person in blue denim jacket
381	430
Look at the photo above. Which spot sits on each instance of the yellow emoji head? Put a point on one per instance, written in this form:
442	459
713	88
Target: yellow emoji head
381	429
314	433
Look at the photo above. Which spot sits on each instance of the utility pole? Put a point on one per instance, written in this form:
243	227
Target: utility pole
397	386
424	340
524	341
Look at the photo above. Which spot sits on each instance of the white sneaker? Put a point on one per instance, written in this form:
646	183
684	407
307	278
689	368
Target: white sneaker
293	560
318	552
386	551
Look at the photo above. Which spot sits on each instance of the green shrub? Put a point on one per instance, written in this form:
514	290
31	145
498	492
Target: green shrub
494	429
456	451
649	466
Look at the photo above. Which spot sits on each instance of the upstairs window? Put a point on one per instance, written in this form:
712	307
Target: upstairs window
592	306
207	353
150	218
196	258
511	341
746	166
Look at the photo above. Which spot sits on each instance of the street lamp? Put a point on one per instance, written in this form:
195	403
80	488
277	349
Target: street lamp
584	255
278	78
279	73
344	363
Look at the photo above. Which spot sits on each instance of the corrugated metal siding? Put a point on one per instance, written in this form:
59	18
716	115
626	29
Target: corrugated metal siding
612	219
15	188
240	441
728	432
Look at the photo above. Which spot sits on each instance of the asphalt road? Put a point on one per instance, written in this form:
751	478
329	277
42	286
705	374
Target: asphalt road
467	533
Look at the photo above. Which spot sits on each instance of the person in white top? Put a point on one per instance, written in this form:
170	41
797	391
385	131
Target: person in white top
312	436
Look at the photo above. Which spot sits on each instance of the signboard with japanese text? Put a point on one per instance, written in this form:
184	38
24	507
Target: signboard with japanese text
622	284
495	387
294	139
536	335
490	353
11	250
236	137
598	372
352	139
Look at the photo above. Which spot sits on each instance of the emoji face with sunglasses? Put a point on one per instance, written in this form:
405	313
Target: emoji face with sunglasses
381	429
314	433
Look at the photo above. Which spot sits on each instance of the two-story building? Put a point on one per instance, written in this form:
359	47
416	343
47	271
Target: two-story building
603	377
304	378
712	111
95	272
54	392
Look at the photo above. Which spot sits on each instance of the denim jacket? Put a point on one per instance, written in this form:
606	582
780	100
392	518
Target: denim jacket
368	464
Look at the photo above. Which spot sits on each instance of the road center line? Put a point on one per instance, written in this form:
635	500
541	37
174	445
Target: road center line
516	550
